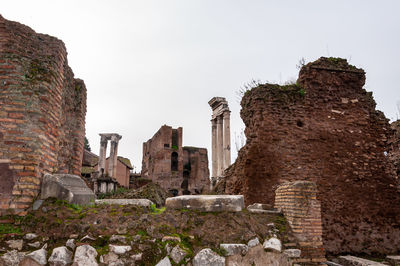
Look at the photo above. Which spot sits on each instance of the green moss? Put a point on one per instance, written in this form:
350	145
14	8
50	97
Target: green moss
9	229
155	210
280	223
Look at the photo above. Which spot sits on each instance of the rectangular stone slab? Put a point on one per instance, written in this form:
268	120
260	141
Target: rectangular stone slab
137	202
207	203
66	187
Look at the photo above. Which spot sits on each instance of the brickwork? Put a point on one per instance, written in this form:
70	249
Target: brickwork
179	170
323	129
298	201
42	113
394	152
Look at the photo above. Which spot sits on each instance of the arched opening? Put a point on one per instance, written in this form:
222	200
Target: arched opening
174	161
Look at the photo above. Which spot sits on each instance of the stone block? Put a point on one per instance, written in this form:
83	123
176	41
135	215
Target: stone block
351	260
233	249
393	260
262	208
66	187
137	202
207	203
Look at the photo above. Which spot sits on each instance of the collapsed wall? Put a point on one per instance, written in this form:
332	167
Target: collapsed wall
42	113
394	153
325	129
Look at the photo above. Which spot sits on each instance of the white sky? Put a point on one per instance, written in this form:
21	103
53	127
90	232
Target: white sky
148	63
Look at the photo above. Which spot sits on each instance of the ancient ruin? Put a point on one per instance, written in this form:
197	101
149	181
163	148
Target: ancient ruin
221	136
323	129
42	113
179	170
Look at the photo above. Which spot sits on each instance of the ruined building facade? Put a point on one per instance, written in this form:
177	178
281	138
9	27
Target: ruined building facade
177	169
323	129
42	113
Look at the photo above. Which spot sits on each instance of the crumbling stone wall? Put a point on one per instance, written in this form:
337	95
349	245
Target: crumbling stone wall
394	153
323	129
298	202
42	113
179	170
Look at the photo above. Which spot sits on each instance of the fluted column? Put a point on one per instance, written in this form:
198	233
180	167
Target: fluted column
214	147
112	162
227	140
102	155
220	146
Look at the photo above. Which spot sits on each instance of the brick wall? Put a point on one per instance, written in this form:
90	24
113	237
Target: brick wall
323	129
42	113
298	201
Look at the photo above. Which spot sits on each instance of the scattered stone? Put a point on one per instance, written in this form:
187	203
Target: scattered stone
37	204
253	242
120	249
109	258
34	244
15	244
118	238
87	237
330	263
30	236
262	208
233	249
273	244
293	253
351	260
393	260
207	257
164	262
28	261
85	255
207	203
137	202
257	256
39	256
136	238
137	257
177	254
73	236
168	248
67	187
171	238
60	256
70	243
122	231
13	257
44	209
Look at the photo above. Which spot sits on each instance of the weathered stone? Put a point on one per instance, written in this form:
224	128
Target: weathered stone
73	236
37	204
292	253
351	260
13	257
60	256
34	244
70	243
88	237
29	261
262	208
137	257
67	187
136	202
85	255
393	260
118	238
171	238
207	203
330	263
233	249
30	236
109	258
273	244
207	257
120	249
257	256
177	254
15	244
253	242
39	256
164	262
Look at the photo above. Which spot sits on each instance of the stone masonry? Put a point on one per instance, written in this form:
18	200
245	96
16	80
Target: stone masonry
323	129
42	113
179	170
298	202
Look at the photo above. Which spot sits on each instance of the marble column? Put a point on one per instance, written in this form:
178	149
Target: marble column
102	155
227	140
220	146
112	161
214	147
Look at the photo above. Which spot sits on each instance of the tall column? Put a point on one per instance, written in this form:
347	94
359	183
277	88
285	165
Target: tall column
214	147
112	162
227	139
220	146
102	155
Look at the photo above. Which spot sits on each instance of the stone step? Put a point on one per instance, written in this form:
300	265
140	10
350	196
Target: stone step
355	261
394	260
207	203
137	202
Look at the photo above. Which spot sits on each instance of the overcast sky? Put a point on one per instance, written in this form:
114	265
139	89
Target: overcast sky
149	63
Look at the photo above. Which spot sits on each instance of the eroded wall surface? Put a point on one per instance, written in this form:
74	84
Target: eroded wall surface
42	113
323	129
